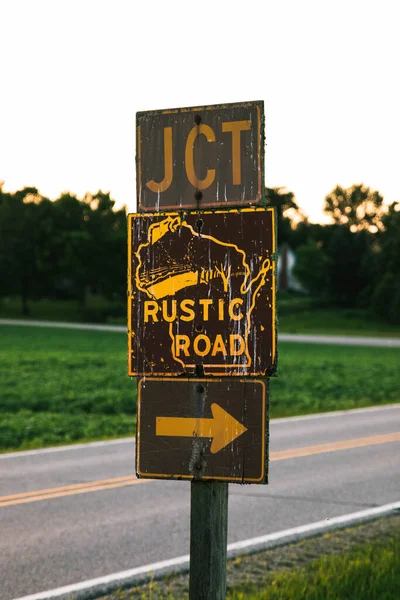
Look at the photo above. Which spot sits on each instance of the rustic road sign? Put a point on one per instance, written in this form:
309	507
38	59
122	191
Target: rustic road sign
194	158
201	301
202	429
202	293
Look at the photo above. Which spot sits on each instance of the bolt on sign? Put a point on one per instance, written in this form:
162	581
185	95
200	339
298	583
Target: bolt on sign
202	429
194	158
201	296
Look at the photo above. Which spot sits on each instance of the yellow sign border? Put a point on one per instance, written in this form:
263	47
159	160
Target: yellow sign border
190	477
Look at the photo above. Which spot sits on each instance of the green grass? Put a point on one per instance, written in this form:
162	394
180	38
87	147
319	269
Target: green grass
303	314
335	322
317	378
27	429
369	572
59	386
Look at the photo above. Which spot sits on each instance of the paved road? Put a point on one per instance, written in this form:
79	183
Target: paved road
283	337
101	520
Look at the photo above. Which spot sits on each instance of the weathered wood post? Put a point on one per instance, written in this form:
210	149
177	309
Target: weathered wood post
208	540
208	518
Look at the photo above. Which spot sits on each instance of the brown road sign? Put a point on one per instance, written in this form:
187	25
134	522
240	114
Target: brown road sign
201	296
202	429
195	158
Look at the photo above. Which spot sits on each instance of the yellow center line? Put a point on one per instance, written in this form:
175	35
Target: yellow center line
74	486
335	446
116	482
45	495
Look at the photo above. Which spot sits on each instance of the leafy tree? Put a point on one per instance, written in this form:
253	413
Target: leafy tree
337	265
312	268
45	239
61	248
356	207
350	273
3	194
19	274
386	295
286	208
108	240
306	231
71	246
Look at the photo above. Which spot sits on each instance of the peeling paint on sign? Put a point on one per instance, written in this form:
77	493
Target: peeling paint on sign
201	296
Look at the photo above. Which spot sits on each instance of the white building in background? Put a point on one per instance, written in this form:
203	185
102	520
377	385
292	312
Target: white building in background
286	262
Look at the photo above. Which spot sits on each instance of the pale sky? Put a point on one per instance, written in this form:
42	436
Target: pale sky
73	73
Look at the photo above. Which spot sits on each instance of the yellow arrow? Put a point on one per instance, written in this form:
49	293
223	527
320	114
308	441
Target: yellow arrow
222	428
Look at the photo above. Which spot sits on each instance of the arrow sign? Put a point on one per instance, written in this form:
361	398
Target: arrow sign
222	428
229	446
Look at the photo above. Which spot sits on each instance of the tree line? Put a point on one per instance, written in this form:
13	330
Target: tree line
68	247
61	249
354	262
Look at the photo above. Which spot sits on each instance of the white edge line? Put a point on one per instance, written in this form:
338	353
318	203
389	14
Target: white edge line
298	533
93	588
336	413
65	325
343	340
129	440
88	445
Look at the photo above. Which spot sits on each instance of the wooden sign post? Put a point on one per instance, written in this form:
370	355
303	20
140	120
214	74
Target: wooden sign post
208	540
201	314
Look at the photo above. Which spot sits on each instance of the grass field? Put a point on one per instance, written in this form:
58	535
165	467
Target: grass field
335	322
369	572
301	314
60	386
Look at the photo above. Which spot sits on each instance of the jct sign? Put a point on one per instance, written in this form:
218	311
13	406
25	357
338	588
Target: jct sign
201	294
200	157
